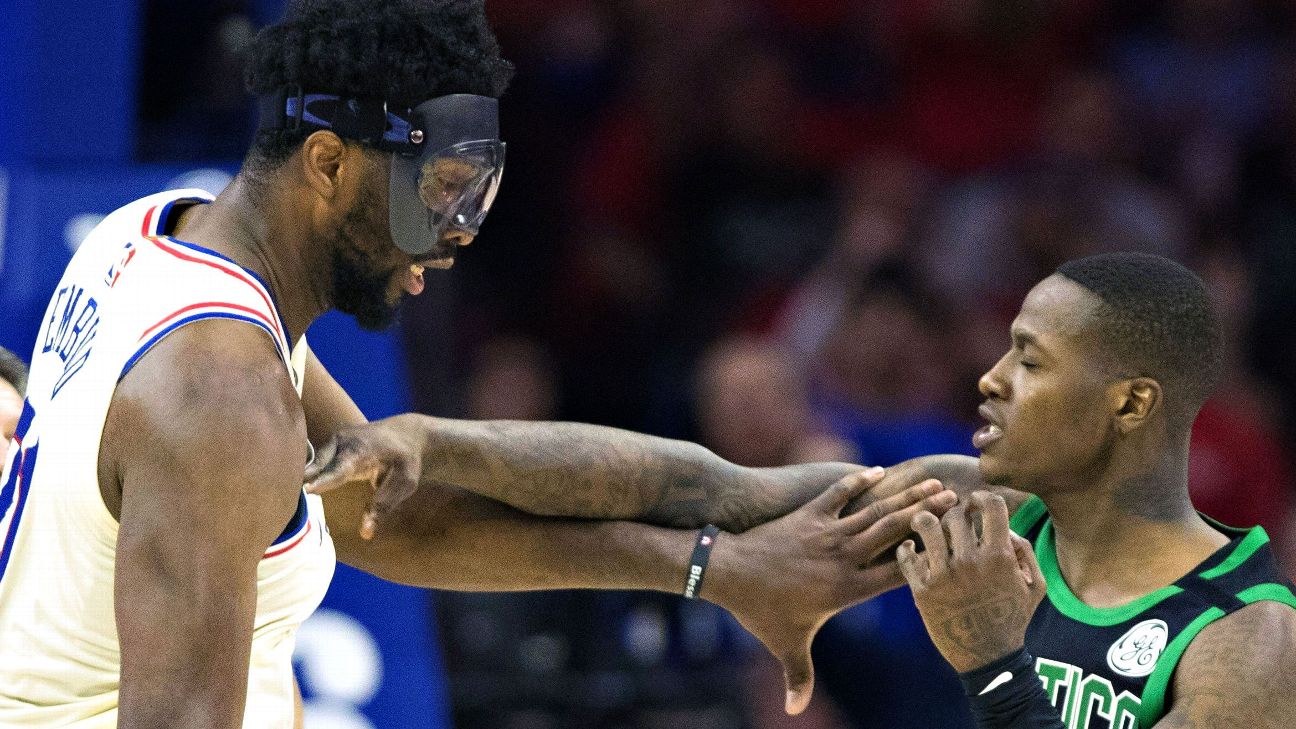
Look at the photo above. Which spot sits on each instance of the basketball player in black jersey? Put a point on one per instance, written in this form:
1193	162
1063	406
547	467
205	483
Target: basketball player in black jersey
1139	612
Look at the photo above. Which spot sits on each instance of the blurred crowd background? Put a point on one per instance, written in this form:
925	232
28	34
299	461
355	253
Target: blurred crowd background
797	230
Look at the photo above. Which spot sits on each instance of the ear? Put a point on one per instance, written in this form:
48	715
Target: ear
1137	401
322	155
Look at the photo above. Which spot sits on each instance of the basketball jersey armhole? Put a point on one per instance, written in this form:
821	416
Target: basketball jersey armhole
198	316
1152	705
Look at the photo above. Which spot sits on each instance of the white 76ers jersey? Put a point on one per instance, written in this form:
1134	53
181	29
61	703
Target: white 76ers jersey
127	287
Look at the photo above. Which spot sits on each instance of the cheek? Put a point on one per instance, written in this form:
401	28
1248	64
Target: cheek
1065	425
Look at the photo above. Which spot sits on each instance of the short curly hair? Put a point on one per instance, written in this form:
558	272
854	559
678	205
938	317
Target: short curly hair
403	51
1155	320
13	370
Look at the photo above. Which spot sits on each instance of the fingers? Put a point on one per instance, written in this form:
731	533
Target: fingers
798	678
347	466
883	577
394	487
1028	565
962	532
323	457
869	515
835	498
929	528
994	517
910	564
890	529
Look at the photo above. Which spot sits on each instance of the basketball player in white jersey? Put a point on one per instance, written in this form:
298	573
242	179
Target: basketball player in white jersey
157	550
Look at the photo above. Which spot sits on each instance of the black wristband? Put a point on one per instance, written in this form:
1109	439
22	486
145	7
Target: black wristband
698	562
1007	694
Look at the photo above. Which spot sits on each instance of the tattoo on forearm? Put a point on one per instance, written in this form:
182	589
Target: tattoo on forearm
602	473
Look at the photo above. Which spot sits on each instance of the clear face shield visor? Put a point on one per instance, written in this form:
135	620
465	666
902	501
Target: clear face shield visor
451	184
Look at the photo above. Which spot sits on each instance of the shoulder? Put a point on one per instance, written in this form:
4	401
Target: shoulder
209	383
1227	673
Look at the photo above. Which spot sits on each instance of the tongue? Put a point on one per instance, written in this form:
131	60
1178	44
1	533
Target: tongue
413	283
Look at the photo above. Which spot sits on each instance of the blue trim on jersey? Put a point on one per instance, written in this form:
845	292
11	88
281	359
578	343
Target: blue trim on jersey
296	524
201	315
23	474
24	424
163	222
248	271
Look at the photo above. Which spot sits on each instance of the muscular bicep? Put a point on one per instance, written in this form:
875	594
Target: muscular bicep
1238	672
207	462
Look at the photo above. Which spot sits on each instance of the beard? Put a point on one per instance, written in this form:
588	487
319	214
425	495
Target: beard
360	283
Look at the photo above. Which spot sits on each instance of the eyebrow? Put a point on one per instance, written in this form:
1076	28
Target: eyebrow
1023	339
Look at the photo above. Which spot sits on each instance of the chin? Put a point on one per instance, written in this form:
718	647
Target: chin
994	473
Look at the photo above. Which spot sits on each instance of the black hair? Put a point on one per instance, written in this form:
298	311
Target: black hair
13	370
402	51
1155	320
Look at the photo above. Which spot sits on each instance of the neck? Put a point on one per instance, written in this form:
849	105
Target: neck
1129	529
273	239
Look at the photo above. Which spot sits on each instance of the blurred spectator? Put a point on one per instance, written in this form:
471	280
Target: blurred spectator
13	383
992	236
513	380
753	409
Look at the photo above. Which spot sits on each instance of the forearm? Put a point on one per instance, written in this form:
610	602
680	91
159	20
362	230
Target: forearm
448	538
589	471
956	472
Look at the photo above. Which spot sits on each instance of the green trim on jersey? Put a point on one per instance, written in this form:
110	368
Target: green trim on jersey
1028	515
1059	593
1254	540
1071	606
1152	702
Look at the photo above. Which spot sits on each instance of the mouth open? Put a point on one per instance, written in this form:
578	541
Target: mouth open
988	434
412	280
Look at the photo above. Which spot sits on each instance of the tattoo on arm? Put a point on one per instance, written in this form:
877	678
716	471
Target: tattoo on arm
976	630
1238	673
589	471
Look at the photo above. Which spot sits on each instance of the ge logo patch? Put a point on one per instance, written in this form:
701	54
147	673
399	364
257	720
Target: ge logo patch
1136	653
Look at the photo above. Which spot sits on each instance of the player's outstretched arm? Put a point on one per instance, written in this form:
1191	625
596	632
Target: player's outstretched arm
782	580
1238	672
566	469
201	467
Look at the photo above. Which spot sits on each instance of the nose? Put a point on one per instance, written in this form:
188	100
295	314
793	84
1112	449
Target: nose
992	384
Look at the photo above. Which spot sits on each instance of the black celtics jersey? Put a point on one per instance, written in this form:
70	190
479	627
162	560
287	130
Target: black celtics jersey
1111	668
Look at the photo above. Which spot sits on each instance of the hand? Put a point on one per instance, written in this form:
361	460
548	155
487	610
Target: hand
784	579
384	456
976	596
